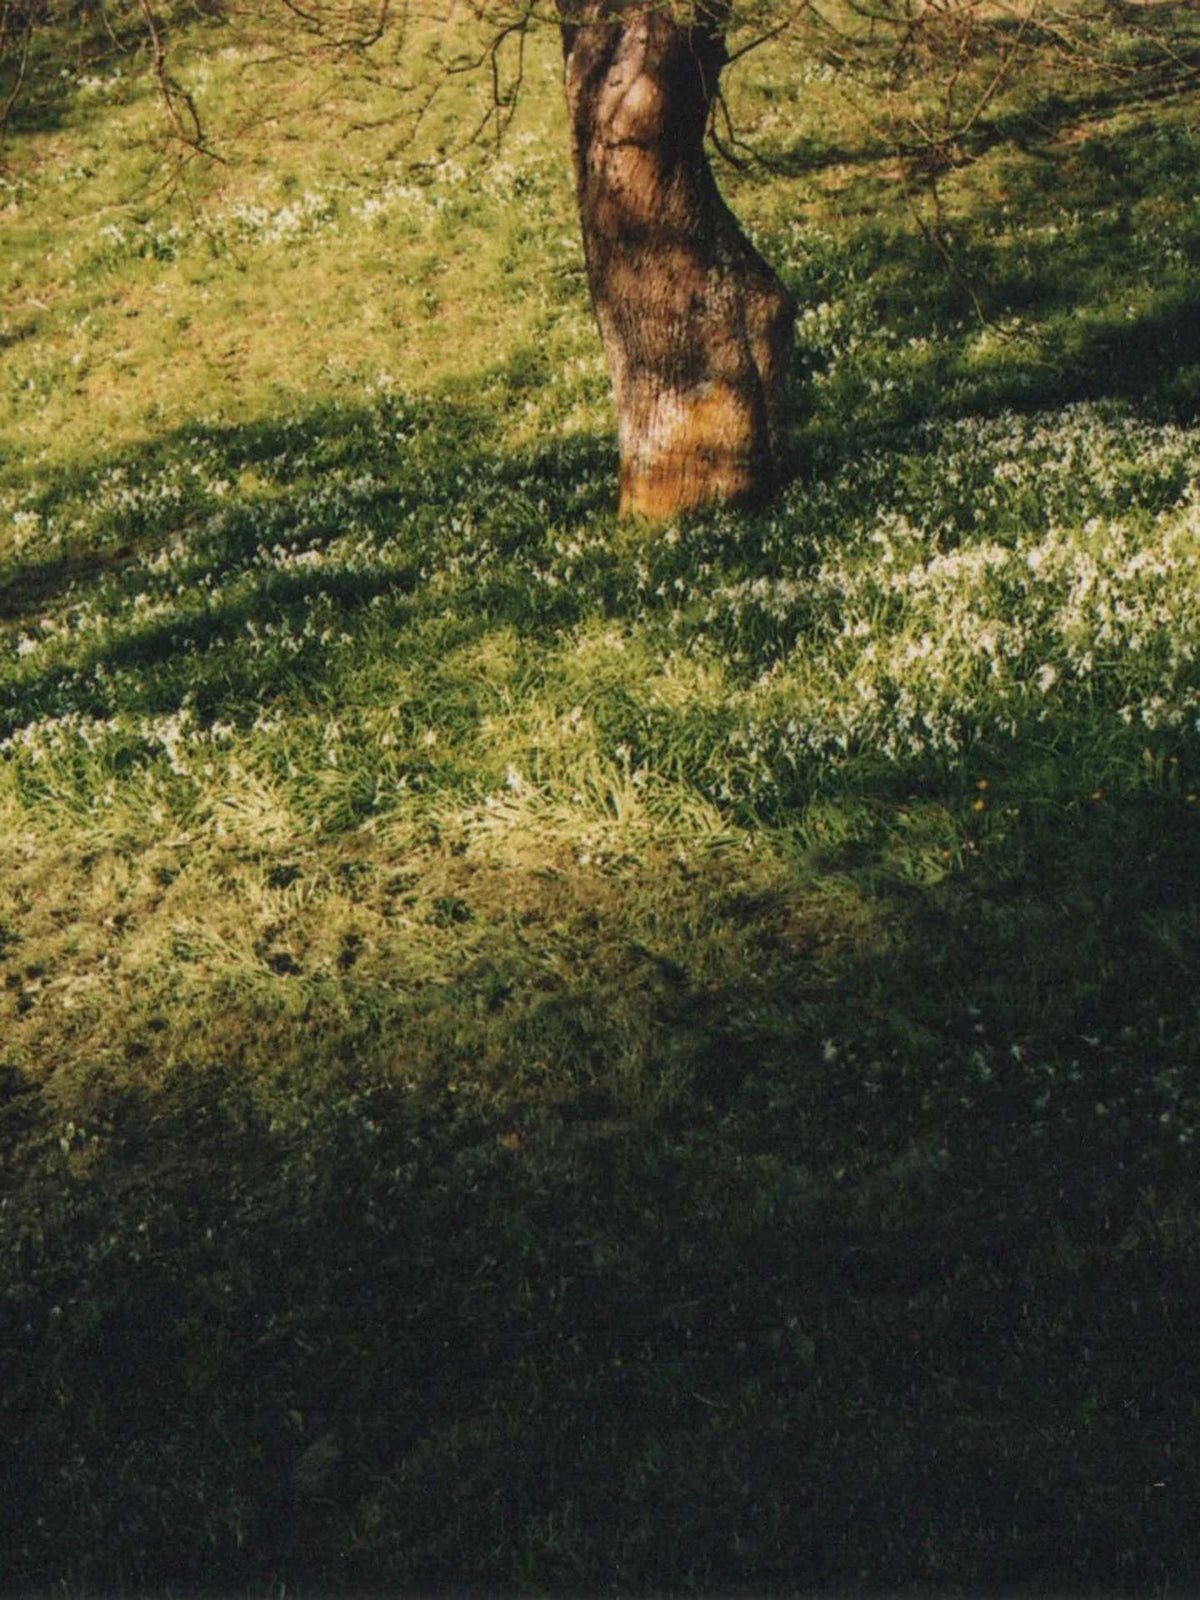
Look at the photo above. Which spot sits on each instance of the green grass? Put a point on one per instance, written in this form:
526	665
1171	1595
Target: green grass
551	1055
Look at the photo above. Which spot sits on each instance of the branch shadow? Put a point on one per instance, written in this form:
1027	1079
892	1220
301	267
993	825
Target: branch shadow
220	561
1037	126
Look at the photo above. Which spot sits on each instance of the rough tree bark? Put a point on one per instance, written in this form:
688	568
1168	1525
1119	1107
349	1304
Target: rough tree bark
696	327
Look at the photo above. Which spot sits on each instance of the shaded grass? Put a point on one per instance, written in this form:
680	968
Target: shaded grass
859	1299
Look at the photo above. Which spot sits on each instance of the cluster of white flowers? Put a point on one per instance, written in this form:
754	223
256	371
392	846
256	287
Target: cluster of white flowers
243	224
309	213
914	633
394	196
95	83
179	735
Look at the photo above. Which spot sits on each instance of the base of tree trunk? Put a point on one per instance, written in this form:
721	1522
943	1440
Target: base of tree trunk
695	325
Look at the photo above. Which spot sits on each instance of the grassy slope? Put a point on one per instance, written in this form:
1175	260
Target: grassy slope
550	1054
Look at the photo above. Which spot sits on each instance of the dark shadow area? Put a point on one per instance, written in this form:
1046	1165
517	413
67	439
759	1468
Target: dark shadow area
14	334
1082	317
887	1300
31	586
423	443
1154	357
98	40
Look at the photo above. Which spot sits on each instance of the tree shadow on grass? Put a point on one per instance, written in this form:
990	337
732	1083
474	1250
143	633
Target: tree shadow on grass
1170	57
900	1292
1148	357
95	44
1071	284
230	531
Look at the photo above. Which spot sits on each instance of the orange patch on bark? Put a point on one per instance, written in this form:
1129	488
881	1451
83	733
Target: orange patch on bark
709	454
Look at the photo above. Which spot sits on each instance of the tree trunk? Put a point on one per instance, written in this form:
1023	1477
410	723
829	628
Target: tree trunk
696	327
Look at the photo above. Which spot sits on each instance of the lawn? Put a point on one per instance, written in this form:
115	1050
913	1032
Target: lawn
563	1056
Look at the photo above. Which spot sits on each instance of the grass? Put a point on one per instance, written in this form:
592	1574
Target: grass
549	1055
